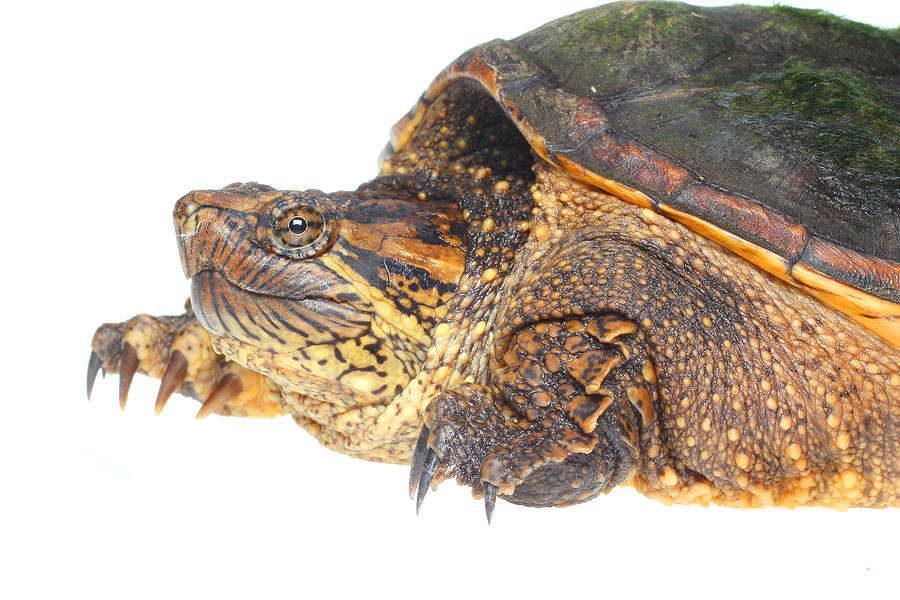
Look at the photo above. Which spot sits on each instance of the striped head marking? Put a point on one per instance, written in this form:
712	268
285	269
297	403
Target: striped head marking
331	295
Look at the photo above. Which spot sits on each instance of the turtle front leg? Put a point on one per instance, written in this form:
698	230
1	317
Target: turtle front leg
560	424
177	350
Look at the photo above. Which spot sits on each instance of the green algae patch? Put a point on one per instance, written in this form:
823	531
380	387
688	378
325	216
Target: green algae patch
642	25
838	114
799	20
625	46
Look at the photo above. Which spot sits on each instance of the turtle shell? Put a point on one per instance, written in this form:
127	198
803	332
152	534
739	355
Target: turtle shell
773	131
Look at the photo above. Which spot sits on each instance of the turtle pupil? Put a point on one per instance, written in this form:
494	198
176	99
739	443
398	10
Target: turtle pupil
297	225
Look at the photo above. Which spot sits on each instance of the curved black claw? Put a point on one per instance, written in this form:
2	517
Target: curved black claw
429	468
94	366
490	499
418	460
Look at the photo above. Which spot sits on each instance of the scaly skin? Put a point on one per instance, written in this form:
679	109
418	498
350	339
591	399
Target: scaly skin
766	396
554	340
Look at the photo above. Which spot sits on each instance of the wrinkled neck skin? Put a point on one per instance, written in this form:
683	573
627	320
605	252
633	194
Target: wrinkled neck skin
347	327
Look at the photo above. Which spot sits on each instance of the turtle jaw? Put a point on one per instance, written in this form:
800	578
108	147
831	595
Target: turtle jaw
277	324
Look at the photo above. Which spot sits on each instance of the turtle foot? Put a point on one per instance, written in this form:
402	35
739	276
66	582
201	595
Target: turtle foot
177	350
476	439
562	426
425	463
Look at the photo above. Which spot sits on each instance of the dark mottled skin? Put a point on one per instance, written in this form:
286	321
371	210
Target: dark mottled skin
550	399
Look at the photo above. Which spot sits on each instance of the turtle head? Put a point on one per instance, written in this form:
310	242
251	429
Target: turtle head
331	295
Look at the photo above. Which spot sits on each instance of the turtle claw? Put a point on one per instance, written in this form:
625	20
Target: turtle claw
425	462
176	373
430	466
127	369
95	363
418	461
490	499
228	387
434	448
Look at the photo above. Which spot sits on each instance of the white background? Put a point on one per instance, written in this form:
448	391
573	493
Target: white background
110	112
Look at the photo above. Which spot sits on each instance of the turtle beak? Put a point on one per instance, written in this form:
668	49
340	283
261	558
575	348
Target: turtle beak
211	215
185	217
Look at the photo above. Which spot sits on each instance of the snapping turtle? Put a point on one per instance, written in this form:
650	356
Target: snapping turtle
647	243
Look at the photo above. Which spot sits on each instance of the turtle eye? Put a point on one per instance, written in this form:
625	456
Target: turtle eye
299	227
